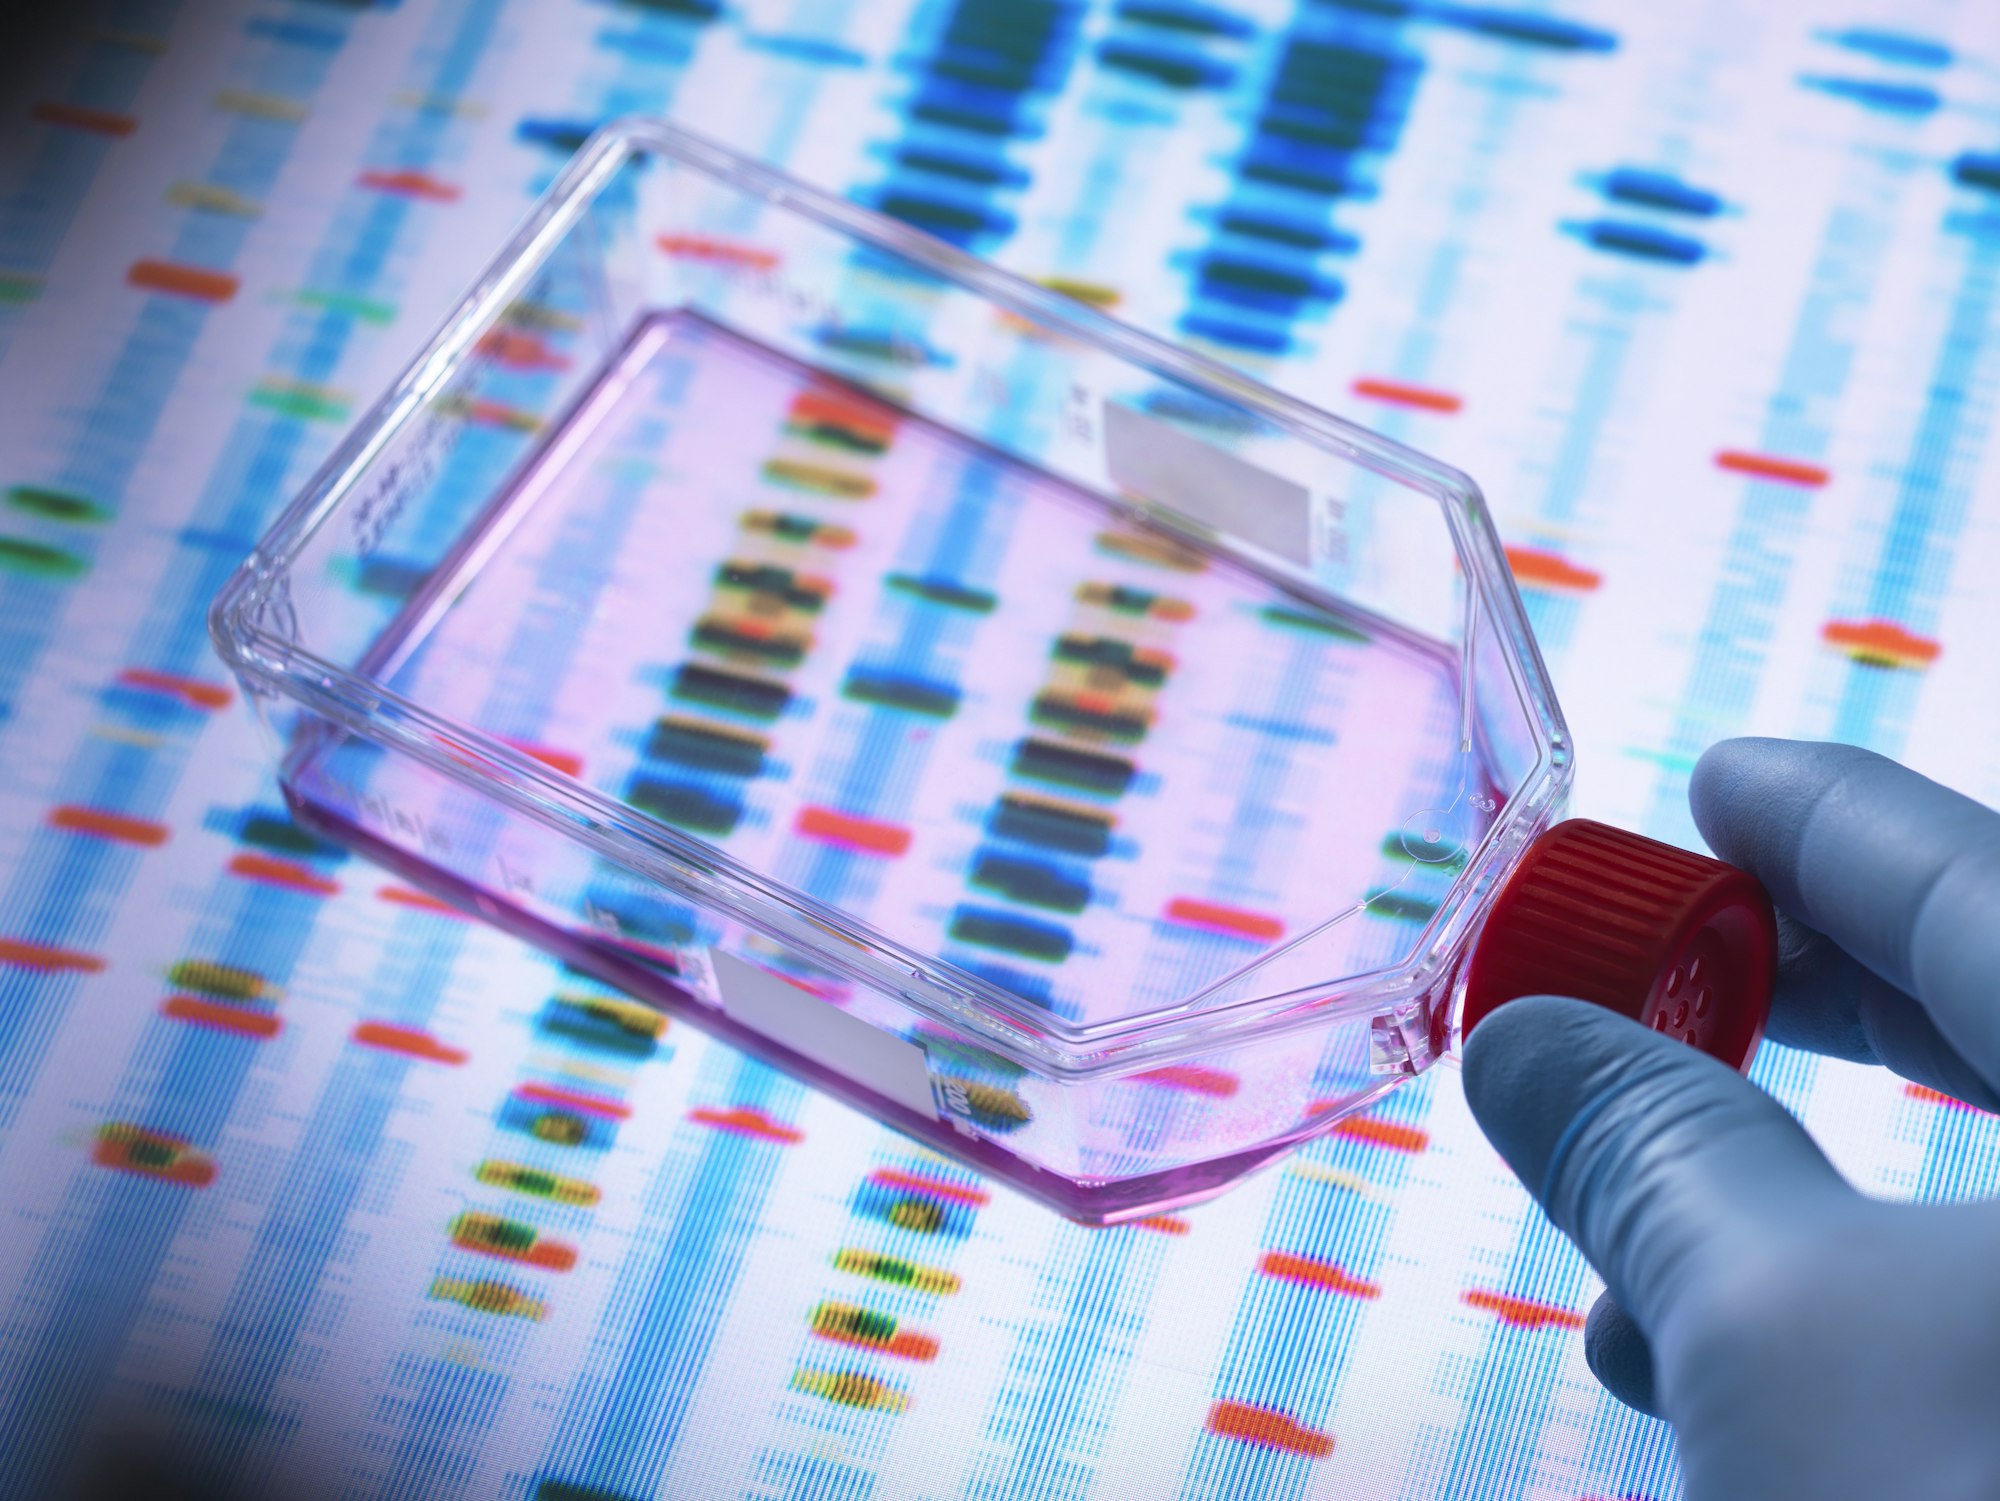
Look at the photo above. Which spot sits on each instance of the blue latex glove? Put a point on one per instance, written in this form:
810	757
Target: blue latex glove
1802	1339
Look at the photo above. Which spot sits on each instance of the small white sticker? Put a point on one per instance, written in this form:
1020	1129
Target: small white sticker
821	1031
1171	468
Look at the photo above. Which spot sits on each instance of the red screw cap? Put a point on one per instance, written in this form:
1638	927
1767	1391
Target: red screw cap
1679	942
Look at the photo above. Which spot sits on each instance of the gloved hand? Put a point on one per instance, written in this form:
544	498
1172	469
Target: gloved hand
1802	1339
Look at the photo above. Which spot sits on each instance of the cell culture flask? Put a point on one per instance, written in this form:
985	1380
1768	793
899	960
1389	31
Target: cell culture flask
1085	759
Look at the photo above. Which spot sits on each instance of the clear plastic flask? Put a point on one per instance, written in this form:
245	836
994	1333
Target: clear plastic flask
1079	756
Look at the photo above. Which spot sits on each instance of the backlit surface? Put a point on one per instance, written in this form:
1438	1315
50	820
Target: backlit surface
322	1191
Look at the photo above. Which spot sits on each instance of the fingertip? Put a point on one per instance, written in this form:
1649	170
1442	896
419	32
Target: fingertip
1735	782
1619	1356
1524	1069
1726	768
1504	1047
1751	798
1897	870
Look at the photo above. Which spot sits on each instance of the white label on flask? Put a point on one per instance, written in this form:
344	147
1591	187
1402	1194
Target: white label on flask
1160	463
819	1030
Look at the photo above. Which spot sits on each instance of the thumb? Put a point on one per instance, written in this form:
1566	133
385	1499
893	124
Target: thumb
1656	1160
1619	1356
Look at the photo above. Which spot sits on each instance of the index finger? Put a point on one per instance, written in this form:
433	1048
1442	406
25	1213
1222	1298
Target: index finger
1902	873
